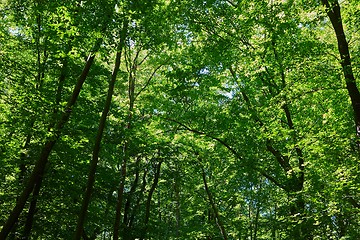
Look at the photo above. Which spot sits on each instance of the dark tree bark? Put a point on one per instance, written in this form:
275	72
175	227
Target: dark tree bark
120	197
36	191
129	200
96	150
131	96
334	14
92	237
149	197
41	62
178	201
32	209
137	204
40	165
256	222
219	222
59	89
295	182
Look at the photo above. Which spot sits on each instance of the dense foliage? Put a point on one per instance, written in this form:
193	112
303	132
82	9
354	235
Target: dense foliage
168	119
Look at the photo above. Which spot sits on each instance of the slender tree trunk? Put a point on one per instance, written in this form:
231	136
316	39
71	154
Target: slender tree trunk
59	90
299	230
273	226
23	154
38	51
131	96
96	150
250	225
160	217
256	223
36	191
334	14
32	209
149	197
178	203
40	76
127	227
137	205
39	168
213	206
39	80
120	197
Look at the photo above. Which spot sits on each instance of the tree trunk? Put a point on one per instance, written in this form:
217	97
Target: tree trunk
273	226
334	14
178	203
250	225
131	96
137	205
59	90
36	191
295	181
256	223
39	168
96	150
32	210
149	197
120	197
213	206
127	227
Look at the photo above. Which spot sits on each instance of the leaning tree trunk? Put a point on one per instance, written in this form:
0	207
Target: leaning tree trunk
35	195
39	168
219	222
32	209
96	150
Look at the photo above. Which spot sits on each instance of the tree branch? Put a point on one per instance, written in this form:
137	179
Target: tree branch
233	151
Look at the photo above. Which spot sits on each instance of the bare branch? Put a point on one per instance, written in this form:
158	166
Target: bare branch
148	81
232	150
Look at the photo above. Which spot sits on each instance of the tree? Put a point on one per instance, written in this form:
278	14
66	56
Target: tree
210	119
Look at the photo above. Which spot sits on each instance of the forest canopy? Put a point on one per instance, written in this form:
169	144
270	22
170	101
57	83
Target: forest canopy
169	119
